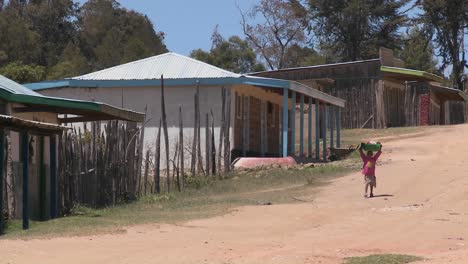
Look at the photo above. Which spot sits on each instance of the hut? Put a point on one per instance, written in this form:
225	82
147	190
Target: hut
381	92
32	123
258	111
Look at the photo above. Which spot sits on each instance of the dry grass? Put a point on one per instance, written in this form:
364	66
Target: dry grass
204	197
383	259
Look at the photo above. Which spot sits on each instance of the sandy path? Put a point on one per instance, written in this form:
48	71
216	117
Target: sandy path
425	215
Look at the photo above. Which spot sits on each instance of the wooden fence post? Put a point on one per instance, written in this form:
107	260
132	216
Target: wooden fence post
181	146
157	161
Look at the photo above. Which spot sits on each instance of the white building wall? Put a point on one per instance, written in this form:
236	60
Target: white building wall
137	98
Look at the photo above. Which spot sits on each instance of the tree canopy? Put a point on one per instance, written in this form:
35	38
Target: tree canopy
233	54
53	39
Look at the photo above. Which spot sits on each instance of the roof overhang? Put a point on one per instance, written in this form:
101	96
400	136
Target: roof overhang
447	93
86	110
408	74
32	127
245	79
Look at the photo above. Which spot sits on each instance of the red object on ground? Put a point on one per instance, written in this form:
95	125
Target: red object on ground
258	162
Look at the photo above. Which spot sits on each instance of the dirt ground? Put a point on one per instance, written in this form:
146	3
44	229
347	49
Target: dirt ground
422	210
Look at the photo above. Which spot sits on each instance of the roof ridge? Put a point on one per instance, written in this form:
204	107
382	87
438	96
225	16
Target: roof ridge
123	65
186	58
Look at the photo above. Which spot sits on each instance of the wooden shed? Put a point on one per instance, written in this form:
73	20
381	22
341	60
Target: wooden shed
380	92
32	122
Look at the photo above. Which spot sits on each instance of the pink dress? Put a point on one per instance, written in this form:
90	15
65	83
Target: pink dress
368	168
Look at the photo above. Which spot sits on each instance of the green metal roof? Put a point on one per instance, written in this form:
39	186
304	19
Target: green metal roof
412	73
13	92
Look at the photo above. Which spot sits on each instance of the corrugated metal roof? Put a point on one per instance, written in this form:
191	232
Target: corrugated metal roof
15	88
171	65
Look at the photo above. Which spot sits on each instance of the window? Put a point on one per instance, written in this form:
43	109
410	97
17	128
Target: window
238	106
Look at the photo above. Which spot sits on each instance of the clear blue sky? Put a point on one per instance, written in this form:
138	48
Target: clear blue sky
188	24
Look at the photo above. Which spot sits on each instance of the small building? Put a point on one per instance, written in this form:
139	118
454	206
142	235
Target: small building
259	115
32	122
381	92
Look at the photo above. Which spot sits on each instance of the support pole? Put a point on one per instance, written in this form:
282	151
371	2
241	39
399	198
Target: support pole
301	132
262	128
338	127
285	121
42	181
324	131
53	177
25	161
309	138
293	123
332	126
2	178
317	129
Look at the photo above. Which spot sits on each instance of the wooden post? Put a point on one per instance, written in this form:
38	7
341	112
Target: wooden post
338	127
213	145
181	146
285	121
245	131
53	176
293	123
317	129
221	129
145	176
262	128
2	177
42	181
25	161
309	138
193	163
207	145
157	161
332	126
301	124
166	136
227	139
324	131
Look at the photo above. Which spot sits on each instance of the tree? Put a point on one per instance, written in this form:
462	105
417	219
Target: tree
71	63
111	35
446	22
298	56
233	54
22	73
355	29
284	23
418	52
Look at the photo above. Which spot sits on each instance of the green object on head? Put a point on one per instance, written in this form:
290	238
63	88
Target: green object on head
371	147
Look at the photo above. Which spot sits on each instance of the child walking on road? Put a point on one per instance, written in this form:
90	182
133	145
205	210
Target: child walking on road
368	169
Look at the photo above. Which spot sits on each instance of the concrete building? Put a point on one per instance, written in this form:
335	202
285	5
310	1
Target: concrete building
260	111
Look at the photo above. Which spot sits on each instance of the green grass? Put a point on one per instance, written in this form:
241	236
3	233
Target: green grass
382	259
204	197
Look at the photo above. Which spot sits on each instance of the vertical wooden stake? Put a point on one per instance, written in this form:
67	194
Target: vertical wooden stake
181	146
166	136
145	176
193	163
324	132
227	139
157	161
213	146
207	145
309	138
338	127
25	161
42	181
317	129
301	126
221	129
2	176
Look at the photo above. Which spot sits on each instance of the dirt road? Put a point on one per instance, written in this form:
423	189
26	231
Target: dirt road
423	211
